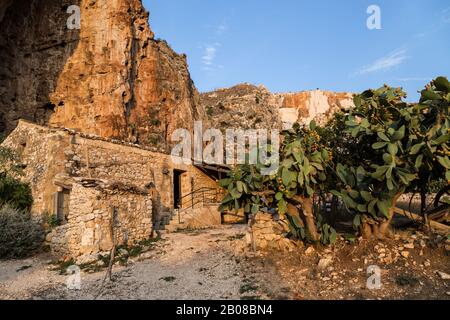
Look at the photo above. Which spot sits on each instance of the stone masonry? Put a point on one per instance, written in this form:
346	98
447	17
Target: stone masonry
91	214
265	233
83	178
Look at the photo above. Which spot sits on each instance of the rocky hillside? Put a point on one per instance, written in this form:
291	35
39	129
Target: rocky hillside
248	106
110	78
243	106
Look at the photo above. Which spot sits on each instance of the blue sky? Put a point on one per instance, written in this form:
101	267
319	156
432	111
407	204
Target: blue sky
295	45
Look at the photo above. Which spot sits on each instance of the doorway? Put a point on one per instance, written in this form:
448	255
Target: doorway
177	193
62	205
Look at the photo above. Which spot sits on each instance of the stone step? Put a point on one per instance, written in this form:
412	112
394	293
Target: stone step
173	227
180	221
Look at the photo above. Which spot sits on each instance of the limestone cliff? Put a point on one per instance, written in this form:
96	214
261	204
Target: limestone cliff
242	106
110	78
315	105
247	106
34	47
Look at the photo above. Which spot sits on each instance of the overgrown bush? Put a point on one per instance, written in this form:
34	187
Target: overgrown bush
15	193
12	190
20	235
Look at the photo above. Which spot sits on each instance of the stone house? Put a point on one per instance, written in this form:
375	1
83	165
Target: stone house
89	183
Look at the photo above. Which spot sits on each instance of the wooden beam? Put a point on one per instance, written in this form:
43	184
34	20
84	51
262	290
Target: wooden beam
439	227
212	168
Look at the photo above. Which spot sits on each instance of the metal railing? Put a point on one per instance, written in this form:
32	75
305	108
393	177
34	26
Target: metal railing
199	198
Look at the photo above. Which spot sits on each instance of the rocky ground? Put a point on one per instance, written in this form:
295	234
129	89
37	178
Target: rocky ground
211	264
410	268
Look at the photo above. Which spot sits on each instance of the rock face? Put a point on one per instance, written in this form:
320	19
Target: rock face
35	44
243	106
110	78
250	107
314	105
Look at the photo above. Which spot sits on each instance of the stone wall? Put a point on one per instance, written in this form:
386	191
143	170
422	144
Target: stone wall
49	153
266	233
88	227
61	158
41	151
233	217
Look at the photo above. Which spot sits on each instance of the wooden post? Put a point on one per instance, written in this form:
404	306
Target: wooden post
108	274
113	250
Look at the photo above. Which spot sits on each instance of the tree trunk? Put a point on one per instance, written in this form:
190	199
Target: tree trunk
423	201
308	213
423	209
293	211
108	274
334	210
251	222
307	216
379	231
366	231
384	226
376	230
113	250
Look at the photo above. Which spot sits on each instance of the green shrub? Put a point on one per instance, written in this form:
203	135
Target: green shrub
20	235
15	193
50	220
12	190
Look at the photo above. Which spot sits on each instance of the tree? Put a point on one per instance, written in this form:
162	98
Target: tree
431	151
402	145
383	147
20	234
290	192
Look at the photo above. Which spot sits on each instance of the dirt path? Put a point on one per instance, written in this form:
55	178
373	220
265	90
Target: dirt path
210	265
197	265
